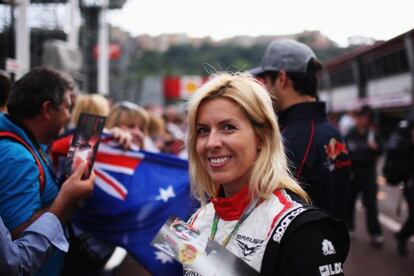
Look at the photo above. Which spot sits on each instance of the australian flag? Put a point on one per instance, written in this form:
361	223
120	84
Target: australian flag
135	193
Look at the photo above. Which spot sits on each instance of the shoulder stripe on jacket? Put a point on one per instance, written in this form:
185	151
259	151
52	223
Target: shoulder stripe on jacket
305	156
287	203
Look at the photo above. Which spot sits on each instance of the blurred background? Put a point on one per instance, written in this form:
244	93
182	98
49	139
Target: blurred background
156	53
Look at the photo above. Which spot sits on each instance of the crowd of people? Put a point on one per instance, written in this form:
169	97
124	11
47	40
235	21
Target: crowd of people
264	162
39	114
366	145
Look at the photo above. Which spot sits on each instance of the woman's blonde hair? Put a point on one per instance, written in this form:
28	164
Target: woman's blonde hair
95	104
270	171
131	112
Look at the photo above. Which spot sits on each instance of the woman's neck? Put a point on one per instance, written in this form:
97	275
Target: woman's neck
231	207
231	189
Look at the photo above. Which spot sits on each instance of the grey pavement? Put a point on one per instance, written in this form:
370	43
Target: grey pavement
364	259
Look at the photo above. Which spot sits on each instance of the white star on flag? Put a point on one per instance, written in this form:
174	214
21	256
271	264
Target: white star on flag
164	258
165	194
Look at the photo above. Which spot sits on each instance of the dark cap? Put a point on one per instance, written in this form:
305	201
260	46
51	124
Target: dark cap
287	55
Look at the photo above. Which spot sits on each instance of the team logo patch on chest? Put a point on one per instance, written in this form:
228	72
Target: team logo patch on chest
248	245
328	248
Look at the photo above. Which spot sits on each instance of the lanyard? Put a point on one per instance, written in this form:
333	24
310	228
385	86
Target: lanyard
242	218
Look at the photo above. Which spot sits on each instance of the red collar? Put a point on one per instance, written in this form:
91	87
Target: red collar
231	208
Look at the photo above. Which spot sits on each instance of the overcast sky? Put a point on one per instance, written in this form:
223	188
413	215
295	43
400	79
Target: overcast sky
338	19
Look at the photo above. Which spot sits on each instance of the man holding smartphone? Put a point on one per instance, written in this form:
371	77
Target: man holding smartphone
27	253
38	108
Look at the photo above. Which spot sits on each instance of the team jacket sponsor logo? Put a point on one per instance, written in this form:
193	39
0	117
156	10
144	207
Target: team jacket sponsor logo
283	225
333	150
248	245
327	247
331	269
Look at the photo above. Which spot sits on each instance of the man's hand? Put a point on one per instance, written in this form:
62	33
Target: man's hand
74	189
72	193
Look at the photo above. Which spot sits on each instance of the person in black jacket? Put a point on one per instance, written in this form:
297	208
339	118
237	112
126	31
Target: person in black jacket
317	153
365	147
400	160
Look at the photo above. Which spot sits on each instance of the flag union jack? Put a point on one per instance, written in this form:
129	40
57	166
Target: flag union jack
111	159
136	192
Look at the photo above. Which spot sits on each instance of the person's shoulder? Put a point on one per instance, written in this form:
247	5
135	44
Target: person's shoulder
288	197
318	218
18	164
14	151
298	133
311	239
309	216
328	130
316	224
302	125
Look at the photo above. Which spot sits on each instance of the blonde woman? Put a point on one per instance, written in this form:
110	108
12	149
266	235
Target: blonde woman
134	119
94	104
250	202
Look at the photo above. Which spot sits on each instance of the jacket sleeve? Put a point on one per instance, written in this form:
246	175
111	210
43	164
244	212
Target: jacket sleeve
314	249
311	247
26	254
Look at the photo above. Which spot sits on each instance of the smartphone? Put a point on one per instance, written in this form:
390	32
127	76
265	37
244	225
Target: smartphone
84	144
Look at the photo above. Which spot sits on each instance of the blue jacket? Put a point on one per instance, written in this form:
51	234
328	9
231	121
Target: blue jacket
317	155
20	195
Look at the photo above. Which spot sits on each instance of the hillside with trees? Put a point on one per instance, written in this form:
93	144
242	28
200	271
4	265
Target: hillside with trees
177	55
231	54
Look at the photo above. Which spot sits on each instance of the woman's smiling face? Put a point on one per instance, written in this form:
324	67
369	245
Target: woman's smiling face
226	143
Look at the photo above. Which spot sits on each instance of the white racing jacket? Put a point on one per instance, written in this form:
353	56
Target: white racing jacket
276	233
